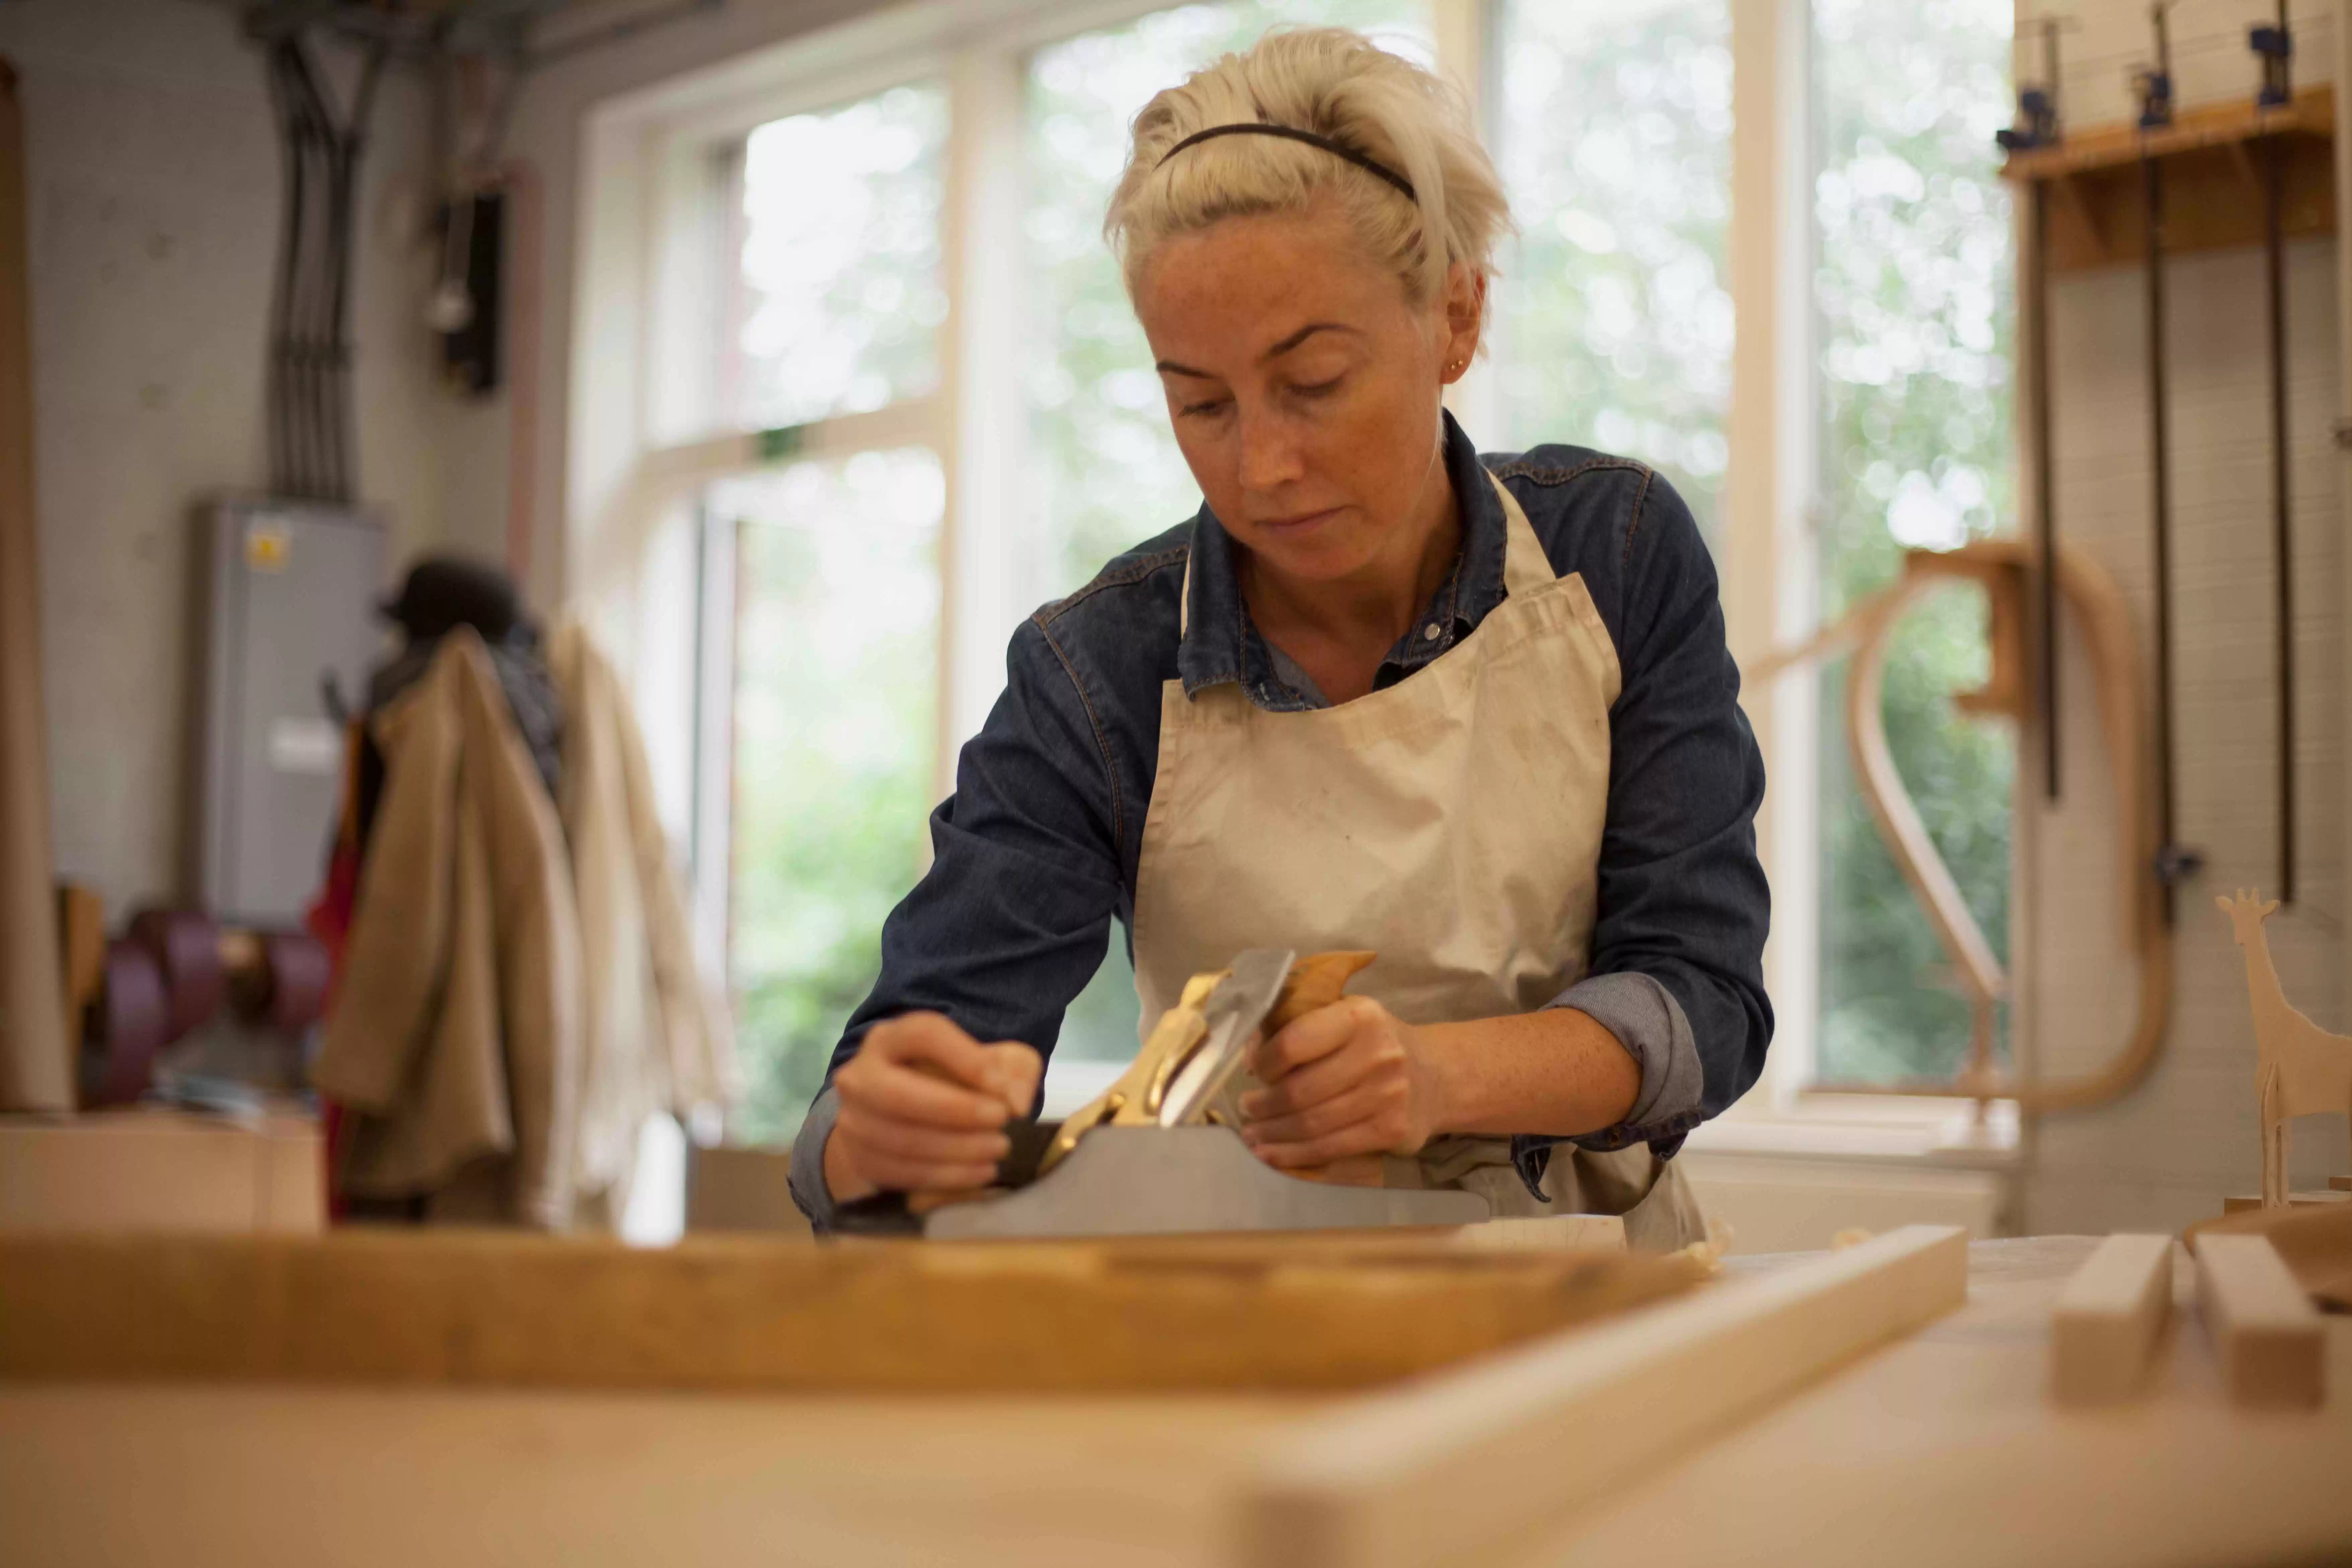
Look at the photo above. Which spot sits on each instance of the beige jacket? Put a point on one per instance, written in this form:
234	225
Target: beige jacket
656	1034
456	1038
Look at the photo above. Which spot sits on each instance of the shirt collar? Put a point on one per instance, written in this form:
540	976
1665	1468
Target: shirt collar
1220	644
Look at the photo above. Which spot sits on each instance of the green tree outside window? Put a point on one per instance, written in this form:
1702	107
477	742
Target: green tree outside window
1913	286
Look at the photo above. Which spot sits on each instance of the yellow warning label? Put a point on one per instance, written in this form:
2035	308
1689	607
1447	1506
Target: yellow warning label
268	544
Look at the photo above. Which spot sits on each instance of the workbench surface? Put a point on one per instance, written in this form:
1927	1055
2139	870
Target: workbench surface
1940	1448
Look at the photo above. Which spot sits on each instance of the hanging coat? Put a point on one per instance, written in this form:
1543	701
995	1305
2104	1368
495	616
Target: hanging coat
456	1040
657	1033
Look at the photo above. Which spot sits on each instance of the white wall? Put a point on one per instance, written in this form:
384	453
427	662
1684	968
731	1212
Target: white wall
154	187
2169	1153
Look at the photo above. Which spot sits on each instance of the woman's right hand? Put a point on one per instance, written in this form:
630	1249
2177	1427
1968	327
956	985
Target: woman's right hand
922	1108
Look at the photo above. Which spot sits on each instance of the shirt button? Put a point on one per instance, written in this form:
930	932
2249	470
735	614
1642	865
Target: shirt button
1430	632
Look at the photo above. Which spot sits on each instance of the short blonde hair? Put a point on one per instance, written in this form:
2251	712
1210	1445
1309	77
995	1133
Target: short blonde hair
1337	84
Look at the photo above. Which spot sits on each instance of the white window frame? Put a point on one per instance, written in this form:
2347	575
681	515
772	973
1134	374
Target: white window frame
645	170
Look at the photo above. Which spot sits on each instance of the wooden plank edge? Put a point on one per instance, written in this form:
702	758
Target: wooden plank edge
2240	1203
495	1310
2109	1318
2269	1339
1459	1461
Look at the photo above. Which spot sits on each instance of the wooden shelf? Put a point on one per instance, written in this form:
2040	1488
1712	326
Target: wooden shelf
2213	185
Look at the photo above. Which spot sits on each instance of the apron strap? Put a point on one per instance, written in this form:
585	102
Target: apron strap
1526	567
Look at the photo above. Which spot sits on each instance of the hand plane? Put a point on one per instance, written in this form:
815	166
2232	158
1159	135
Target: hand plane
1158	1152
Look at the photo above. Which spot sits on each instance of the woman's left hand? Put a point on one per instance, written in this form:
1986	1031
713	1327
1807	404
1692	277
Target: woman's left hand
1349	1078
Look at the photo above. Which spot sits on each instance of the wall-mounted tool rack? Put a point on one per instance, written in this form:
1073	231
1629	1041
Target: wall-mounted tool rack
2213	199
2231	175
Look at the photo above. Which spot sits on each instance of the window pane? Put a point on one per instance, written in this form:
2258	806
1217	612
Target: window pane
836	674
841	297
1104	465
1913	286
1614	329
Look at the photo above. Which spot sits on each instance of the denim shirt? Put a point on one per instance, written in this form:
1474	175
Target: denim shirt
1037	850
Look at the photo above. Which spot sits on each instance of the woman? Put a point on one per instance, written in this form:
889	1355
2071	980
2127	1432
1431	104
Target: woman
1475	714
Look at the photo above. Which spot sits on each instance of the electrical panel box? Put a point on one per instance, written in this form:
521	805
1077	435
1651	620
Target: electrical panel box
290	635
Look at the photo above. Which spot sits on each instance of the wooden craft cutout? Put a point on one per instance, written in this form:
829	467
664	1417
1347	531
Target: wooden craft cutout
2002	567
2300	1069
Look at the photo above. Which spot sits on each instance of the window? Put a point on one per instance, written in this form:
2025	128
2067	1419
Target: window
1613	328
829	274
1912	284
836	676
837	297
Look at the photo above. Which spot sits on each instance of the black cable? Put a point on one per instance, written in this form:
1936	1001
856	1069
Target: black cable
298	226
281	457
314	435
350	144
313	301
300	352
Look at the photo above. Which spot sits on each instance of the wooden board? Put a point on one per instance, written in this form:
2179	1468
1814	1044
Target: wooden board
2109	1320
1944	1451
495	1308
2230	122
2272	1343
154	1170
1954	1421
36	1056
2240	1203
1469	1460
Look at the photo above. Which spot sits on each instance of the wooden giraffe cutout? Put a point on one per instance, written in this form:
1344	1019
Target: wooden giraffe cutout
2300	1068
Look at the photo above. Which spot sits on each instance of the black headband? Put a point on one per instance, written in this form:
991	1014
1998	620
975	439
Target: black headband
1336	149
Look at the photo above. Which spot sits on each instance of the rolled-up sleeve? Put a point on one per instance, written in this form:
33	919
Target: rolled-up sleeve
1011	921
1677	954
1651	1025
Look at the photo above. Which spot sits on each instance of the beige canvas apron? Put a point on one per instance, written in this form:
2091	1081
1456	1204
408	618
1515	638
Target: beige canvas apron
1450	823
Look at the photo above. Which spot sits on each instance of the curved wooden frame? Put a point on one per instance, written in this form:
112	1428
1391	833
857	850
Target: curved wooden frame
2000	565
